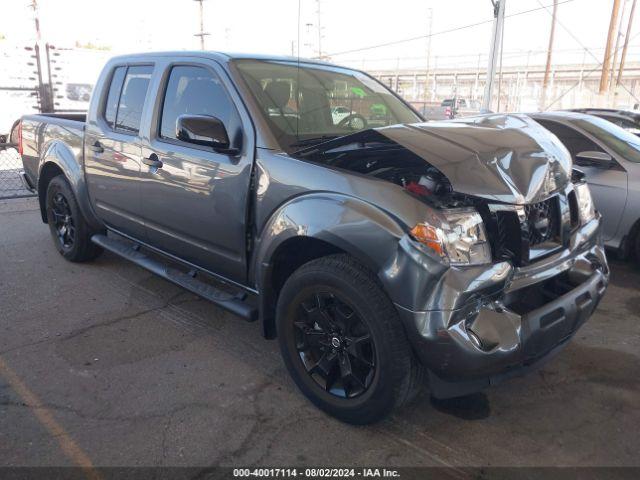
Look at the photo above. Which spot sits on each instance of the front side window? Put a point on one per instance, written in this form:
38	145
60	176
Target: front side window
307	102
195	90
617	139
134	93
575	141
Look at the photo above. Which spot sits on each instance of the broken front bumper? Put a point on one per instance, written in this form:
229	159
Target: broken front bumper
482	324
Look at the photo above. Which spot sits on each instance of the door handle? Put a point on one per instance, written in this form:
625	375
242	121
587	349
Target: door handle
96	147
153	161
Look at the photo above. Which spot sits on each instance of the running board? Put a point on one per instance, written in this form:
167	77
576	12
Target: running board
232	303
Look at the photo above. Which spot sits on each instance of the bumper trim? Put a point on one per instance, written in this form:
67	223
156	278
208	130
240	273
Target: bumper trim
513	328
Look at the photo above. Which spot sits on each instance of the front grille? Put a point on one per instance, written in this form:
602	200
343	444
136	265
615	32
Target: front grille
523	234
542	221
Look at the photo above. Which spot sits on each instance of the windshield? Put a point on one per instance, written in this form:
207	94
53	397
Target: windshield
616	138
314	102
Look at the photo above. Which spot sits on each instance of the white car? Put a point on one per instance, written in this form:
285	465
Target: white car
340	113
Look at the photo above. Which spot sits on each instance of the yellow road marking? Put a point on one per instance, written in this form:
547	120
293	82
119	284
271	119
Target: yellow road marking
46	418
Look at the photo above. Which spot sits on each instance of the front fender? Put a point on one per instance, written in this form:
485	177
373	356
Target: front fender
348	224
362	230
68	160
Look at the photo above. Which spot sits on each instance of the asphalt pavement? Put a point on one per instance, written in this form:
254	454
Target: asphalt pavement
105	364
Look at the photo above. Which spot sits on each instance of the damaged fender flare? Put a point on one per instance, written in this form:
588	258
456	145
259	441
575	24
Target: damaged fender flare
341	221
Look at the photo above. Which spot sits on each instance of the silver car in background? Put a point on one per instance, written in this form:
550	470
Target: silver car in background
609	156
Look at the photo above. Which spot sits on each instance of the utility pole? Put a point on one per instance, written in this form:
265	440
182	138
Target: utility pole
45	90
606	64
617	46
626	43
36	18
496	46
426	77
309	42
545	82
319	14
202	33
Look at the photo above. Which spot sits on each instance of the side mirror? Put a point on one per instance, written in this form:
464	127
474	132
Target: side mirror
204	130
594	159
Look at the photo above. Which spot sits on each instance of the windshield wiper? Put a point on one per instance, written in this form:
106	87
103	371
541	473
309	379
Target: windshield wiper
314	140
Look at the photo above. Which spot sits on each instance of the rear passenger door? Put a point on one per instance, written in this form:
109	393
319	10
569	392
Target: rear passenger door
195	203
113	150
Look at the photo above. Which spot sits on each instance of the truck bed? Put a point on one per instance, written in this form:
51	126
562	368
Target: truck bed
40	132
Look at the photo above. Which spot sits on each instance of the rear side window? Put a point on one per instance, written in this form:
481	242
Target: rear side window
134	92
196	91
621	122
111	107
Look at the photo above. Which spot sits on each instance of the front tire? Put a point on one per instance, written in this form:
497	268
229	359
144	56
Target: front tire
70	232
343	342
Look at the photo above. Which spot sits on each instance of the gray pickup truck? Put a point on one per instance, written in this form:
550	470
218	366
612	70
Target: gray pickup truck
454	253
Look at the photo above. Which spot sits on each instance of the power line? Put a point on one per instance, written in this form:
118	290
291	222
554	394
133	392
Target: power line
442	32
587	50
589	72
474	56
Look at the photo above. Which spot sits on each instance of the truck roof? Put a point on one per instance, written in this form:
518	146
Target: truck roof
220	56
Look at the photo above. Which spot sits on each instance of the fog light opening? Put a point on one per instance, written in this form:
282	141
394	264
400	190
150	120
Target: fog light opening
475	339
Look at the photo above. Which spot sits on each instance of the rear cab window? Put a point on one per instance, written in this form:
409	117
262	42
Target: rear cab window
111	107
126	97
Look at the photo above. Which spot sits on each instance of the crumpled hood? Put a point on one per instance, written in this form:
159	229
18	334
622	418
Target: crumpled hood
506	158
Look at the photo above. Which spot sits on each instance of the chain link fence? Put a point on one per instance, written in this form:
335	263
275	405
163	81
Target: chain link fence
11	185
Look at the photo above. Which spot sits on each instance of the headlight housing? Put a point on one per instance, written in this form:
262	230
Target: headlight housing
457	236
586	208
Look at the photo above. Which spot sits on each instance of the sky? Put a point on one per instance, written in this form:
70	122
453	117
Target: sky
272	27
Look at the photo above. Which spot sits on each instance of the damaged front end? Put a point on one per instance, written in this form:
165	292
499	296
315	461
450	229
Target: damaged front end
507	260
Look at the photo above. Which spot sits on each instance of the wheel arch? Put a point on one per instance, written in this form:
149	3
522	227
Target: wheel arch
628	244
48	171
59	159
316	225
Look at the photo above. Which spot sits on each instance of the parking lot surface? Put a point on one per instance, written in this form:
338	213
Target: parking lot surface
108	364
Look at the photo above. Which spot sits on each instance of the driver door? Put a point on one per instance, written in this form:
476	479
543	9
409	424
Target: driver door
194	198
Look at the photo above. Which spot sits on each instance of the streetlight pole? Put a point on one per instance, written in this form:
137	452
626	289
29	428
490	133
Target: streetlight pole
496	46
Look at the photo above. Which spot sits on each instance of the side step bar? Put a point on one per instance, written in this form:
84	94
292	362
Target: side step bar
232	303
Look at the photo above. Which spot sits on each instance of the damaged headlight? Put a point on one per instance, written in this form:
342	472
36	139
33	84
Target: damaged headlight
457	236
586	208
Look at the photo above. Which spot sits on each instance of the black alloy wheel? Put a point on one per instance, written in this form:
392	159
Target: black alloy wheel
70	231
343	342
63	223
335	345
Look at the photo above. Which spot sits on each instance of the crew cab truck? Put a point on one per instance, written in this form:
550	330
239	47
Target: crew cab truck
457	252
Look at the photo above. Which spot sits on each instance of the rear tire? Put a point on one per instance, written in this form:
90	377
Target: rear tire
343	342
70	232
